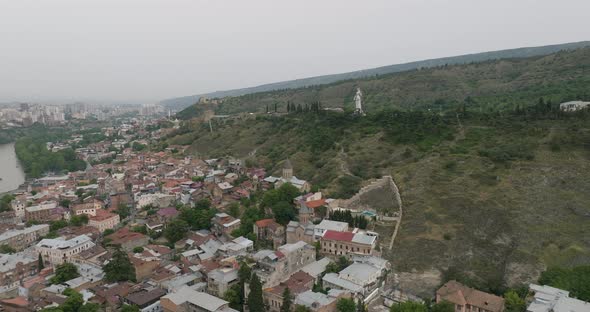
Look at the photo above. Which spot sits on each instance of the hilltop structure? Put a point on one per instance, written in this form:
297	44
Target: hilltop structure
358	102
288	177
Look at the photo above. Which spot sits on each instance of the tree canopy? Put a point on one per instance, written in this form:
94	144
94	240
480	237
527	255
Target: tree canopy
64	272
119	268
575	280
346	305
255	302
176	230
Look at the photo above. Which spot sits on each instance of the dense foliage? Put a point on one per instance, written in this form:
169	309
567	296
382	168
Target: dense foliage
255	301
73	303
280	201
346	216
575	280
345	305
64	273
287	300
176	230
37	160
199	217
6	249
411	306
119	268
5	202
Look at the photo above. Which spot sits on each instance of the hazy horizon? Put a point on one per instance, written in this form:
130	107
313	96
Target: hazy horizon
146	51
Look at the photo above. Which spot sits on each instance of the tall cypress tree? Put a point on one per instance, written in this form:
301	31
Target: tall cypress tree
255	302
287	300
40	264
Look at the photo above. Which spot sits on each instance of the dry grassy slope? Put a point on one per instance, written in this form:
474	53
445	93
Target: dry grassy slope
493	221
496	223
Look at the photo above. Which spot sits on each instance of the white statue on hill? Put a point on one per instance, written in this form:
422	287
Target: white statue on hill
358	105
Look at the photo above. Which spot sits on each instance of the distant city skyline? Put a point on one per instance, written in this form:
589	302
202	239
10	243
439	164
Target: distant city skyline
146	51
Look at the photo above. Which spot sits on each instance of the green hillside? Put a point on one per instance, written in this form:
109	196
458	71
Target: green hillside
183	102
492	85
499	197
494	184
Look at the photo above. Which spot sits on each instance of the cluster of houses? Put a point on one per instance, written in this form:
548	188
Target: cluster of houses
83	218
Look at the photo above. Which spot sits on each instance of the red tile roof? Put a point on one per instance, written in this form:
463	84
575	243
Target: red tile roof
102	215
297	283
17	301
315	203
124	235
264	222
458	293
338	236
168	212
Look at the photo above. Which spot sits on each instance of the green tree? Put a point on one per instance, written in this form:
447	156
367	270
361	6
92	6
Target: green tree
138	146
123	210
443	306
255	302
232	295
203	204
64	272
287	300
360	306
283	212
65	203
345	305
119	268
576	280
138	249
90	307
40	264
6	249
74	301
514	303
129	308
301	308
176	230
244	273
343	262
408	306
58	224
196	218
5	202
79	220
234	210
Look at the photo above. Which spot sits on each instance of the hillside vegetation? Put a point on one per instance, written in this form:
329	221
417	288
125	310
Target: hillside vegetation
489	86
494	185
183	102
492	200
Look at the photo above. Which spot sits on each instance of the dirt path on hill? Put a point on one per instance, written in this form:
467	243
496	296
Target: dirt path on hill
399	217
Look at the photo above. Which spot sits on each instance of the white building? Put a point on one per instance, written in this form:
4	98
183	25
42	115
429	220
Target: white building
19	206
326	225
20	239
156	200
550	299
186	299
362	279
59	250
573	106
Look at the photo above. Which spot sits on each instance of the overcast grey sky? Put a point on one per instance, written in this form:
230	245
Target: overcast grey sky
147	50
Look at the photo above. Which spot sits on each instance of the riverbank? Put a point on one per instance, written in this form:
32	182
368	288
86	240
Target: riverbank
11	172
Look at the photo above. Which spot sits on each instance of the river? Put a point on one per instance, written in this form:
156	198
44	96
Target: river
11	173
